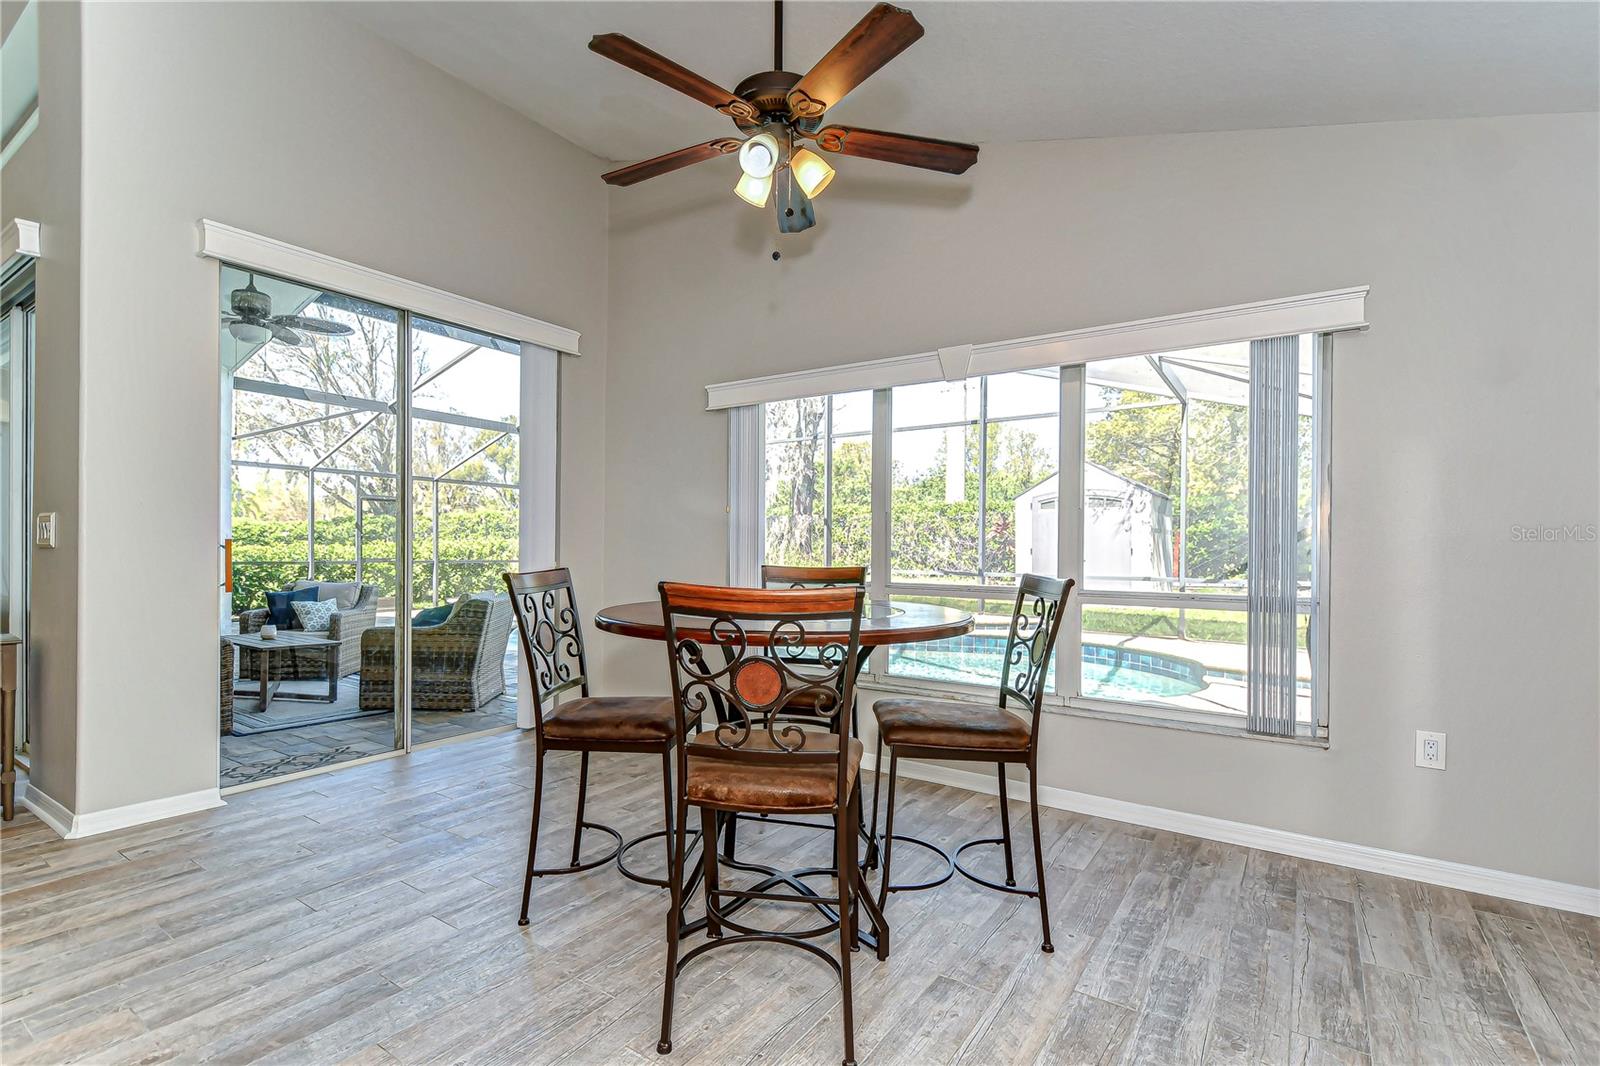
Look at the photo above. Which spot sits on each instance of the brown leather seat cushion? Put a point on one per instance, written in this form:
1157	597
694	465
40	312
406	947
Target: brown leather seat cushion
805	701
949	724
613	719
725	780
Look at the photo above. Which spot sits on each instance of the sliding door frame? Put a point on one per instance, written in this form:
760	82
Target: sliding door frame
405	529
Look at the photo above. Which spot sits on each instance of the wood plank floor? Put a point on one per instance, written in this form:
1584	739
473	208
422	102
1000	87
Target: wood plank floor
369	916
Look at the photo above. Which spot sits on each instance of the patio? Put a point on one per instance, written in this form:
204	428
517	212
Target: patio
261	756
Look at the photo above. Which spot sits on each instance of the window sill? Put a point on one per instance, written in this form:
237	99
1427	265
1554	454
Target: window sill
1077	708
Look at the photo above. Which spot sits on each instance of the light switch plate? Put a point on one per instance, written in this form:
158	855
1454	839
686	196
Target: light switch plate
1430	750
44	529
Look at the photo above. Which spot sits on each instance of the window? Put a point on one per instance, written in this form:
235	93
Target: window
1185	491
974	479
818	481
1166	529
972	492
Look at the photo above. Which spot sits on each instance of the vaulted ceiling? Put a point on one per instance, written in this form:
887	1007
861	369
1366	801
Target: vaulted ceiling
1007	71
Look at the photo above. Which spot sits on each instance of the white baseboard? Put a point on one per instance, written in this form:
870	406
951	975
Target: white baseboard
1536	890
48	811
75	826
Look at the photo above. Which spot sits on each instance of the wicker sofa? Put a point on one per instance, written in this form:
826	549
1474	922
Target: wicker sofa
357	613
457	665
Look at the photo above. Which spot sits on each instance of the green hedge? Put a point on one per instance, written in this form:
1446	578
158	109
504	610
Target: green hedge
272	555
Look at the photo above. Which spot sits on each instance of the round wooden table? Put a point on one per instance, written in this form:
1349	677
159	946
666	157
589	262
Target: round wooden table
883	622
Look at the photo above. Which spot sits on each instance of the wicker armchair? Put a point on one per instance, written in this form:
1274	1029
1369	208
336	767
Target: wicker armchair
457	665
225	701
357	613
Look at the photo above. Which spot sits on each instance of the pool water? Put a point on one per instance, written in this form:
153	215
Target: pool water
1108	671
1114	682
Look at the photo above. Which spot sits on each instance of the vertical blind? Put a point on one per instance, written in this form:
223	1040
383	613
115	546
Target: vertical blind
746	488
1273	492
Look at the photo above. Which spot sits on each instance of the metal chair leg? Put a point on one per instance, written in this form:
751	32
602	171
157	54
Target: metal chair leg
1005	826
708	831
888	832
731	825
675	876
852	812
583	792
844	834
666	792
877	785
533	834
1038	860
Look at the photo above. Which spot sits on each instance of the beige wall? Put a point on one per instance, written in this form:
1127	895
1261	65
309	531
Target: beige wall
285	121
1468	408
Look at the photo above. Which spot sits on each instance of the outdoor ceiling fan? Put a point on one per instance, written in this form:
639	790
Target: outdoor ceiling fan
776	109
252	320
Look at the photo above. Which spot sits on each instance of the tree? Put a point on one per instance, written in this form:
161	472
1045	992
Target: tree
477	532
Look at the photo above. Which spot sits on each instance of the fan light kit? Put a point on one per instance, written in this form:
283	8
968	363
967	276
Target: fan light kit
776	109
251	320
249	332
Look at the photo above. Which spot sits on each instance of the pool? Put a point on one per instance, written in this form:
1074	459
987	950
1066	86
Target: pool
1108	670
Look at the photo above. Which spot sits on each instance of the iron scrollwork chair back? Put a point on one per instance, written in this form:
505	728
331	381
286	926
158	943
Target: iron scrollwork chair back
750	690
774	576
1035	624
552	641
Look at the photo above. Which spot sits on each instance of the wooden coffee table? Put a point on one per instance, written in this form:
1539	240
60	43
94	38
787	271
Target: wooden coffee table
287	640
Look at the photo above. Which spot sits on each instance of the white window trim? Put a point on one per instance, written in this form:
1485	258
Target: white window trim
19	238
1335	311
253	251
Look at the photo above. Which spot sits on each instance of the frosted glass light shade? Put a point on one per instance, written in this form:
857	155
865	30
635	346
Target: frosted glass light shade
758	156
811	172
249	332
753	190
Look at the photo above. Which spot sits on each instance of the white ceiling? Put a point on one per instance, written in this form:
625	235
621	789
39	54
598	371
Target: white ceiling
1008	71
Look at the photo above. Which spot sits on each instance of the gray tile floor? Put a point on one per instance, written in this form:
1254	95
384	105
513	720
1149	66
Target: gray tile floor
369	916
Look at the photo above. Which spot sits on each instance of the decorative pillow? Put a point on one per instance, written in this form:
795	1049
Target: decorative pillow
279	611
432	616
315	615
345	592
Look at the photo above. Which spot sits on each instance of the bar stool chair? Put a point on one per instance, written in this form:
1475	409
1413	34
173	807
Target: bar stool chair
547	616
782	746
953	731
774	576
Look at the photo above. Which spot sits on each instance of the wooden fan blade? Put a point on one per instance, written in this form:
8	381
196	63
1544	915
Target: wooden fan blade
884	33
657	67
929	153
634	173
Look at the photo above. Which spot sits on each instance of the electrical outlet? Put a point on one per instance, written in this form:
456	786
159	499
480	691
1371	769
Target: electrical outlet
1430	750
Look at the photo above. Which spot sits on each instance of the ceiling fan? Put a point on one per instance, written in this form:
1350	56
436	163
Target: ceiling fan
252	320
776	110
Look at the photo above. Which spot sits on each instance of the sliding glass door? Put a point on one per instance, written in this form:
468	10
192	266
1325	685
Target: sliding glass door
311	384
16	468
465	417
372	504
